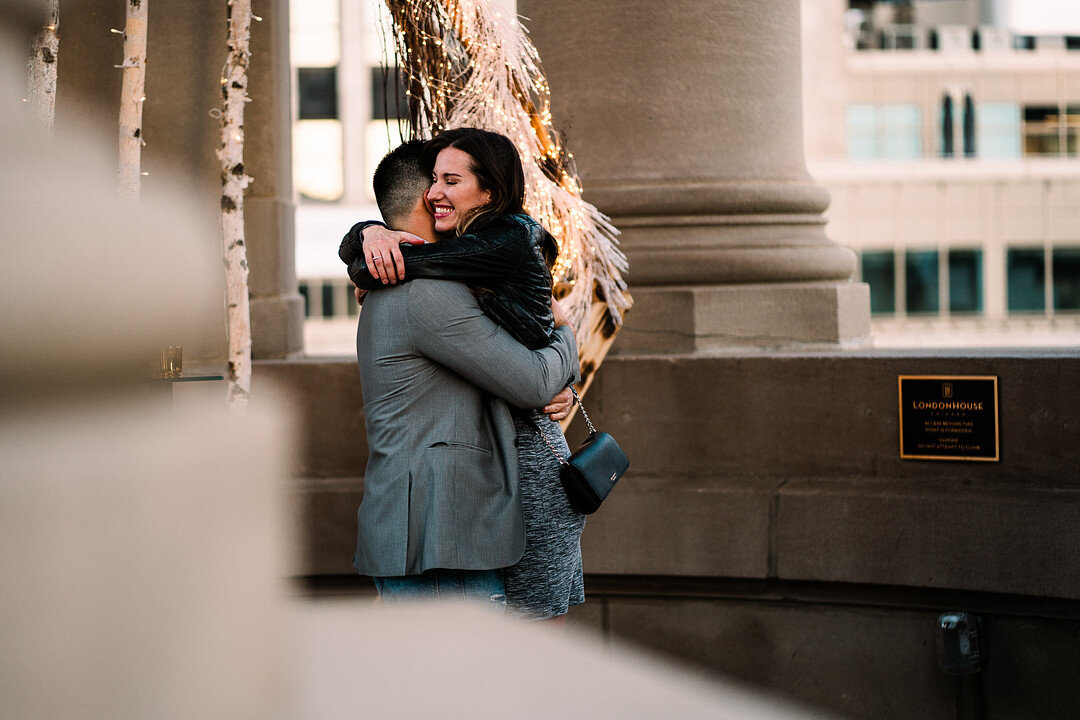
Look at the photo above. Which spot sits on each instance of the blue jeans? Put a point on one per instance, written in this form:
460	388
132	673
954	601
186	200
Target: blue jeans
478	587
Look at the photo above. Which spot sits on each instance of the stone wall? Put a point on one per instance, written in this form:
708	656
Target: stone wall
768	530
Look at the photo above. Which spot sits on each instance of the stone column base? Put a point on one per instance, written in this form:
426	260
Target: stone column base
739	318
277	326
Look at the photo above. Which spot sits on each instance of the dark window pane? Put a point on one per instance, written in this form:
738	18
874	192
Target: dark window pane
307	305
1072	128
965	281
327	300
1042	130
351	304
1066	278
388	98
317	88
879	271
922	281
1040	113
1026	274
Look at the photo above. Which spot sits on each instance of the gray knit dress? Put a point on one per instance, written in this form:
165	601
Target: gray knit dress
547	580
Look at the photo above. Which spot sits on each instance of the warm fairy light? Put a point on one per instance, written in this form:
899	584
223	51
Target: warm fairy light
467	64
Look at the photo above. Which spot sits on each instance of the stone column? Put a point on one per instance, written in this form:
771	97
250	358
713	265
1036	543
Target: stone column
277	309
687	129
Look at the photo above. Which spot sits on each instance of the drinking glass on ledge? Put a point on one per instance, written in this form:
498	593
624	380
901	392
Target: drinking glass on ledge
172	362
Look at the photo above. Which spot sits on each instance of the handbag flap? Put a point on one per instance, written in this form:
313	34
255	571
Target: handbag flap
601	462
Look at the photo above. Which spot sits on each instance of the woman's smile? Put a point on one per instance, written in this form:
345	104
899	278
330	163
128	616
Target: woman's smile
455	191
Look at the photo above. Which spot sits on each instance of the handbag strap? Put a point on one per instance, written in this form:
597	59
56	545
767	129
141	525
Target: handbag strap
540	429
588	422
584	414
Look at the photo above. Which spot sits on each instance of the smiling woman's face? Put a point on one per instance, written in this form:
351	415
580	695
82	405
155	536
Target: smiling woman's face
454	189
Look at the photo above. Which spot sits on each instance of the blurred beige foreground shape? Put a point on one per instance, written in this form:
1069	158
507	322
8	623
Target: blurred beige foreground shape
465	663
144	547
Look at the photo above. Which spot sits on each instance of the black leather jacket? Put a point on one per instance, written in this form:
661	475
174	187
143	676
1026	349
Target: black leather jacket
502	258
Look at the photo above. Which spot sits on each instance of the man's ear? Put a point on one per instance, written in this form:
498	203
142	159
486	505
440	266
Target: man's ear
421	206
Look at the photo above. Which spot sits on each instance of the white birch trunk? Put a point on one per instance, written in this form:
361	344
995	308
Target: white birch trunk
132	96
234	180
41	70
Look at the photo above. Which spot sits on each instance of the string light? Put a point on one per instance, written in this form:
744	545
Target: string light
473	67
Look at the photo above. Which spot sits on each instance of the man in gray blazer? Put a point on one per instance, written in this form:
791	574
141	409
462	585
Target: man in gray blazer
441	502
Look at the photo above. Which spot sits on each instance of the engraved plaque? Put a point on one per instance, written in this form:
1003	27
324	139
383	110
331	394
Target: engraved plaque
949	417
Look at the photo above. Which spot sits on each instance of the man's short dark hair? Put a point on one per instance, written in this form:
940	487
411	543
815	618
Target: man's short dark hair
400	181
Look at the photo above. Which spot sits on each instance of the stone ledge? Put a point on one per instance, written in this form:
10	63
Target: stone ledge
782	466
994	540
681	527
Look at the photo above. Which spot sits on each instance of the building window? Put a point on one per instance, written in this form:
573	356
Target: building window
318	146
1025	270
965	281
862	139
969	126
317	91
948	126
352	309
921	281
304	291
997	130
902	131
890	132
1071	129
1051	130
948	147
319	159
327	291
389	99
900	37
879	271
1066	269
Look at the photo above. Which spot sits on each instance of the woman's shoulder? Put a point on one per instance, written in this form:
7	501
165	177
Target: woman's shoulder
505	221
506	229
515	232
525	226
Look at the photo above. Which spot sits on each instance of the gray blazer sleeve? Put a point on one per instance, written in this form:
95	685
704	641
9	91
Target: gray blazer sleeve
449	328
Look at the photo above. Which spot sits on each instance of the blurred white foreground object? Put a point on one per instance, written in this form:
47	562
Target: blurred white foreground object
462	662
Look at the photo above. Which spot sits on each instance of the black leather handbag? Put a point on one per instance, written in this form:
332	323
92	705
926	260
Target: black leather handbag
590	474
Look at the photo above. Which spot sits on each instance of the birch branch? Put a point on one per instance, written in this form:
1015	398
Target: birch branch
234	180
132	96
41	69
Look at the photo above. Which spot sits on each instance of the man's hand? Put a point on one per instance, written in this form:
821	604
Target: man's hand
559	406
359	294
383	254
557	312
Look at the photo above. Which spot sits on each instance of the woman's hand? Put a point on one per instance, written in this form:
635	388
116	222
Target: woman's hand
382	252
559	406
558	313
359	294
